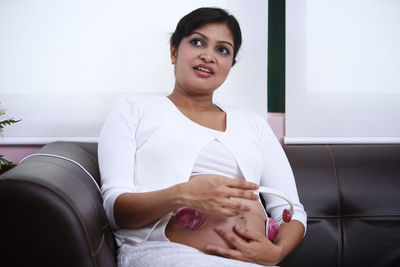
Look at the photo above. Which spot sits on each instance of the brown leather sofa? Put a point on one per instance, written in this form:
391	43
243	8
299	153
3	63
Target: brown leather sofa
52	215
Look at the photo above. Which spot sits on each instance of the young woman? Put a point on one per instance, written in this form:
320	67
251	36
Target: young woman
165	158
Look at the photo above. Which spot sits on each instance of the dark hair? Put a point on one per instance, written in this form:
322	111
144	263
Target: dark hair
206	15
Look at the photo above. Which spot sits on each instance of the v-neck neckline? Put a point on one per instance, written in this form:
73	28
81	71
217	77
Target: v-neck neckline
227	121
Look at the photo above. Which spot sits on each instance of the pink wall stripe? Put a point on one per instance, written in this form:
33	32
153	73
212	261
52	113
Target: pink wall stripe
277	123
16	153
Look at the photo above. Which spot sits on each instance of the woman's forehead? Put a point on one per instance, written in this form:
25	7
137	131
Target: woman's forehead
216	31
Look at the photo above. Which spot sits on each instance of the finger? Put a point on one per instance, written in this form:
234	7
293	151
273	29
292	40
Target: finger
226	252
248	234
231	238
221	207
235	206
245	194
243	184
227	212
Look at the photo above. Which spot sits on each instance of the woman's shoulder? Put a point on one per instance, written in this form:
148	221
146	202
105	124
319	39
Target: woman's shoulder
246	115
251	121
141	101
140	98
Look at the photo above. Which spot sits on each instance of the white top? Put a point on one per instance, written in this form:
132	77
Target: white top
147	144
215	158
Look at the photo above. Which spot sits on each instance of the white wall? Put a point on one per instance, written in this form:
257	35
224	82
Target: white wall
342	71
63	62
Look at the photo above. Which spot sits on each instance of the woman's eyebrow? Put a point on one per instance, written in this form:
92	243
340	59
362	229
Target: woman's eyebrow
205	37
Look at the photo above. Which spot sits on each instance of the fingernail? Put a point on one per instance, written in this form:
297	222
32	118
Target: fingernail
238	228
218	229
209	247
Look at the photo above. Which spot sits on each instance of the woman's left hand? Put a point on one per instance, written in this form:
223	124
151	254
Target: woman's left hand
248	246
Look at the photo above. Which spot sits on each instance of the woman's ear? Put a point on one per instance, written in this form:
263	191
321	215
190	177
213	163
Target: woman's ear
173	52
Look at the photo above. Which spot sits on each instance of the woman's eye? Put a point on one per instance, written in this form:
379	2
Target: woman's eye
223	50
196	42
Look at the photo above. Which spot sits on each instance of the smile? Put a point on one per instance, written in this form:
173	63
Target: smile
203	70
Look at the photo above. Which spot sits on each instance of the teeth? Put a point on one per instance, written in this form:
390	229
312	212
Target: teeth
203	69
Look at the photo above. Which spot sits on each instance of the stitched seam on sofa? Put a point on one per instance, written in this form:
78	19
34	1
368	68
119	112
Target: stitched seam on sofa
96	250
339	210
101	244
81	219
109	251
341	243
78	146
88	153
64	158
54	189
104	228
70	204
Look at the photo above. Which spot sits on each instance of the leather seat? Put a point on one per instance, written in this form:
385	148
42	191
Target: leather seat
52	214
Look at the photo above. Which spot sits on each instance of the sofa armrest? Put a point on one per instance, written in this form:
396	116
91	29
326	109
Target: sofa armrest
52	212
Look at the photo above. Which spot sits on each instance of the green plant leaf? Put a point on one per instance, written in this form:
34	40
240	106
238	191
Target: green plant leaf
3	161
7	122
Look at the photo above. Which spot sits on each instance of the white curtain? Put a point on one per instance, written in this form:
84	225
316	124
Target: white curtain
63	62
342	71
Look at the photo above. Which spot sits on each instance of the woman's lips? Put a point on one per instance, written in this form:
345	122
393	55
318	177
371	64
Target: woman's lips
203	70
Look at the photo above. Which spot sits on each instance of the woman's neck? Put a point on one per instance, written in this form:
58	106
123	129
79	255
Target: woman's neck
196	103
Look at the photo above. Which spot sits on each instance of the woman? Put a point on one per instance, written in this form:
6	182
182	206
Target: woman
158	154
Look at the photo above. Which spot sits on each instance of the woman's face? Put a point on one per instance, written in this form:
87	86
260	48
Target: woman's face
203	59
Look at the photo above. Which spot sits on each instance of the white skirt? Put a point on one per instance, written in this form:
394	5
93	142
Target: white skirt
166	253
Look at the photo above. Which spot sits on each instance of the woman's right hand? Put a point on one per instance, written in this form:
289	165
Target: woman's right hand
213	194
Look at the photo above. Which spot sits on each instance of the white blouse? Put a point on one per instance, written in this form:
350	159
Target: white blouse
215	158
147	144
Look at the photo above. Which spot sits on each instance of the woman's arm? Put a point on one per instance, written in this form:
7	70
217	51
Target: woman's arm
132	210
278	174
289	237
116	152
209	193
252	246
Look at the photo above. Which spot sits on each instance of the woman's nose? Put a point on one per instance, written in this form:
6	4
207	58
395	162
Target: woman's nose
208	57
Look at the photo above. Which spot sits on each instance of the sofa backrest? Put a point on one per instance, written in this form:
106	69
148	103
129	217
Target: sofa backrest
351	194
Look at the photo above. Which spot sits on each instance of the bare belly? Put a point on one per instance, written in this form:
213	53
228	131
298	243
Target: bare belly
205	234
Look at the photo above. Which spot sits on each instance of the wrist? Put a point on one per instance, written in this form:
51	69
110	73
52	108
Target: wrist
178	193
281	250
275	256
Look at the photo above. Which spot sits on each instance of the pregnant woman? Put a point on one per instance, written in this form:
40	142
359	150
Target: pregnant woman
180	173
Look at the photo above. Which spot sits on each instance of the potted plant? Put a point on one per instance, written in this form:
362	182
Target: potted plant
4	163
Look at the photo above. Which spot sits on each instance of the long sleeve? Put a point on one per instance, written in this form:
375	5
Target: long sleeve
116	153
278	174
